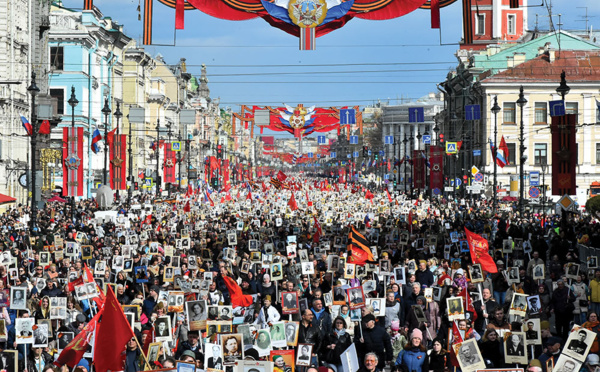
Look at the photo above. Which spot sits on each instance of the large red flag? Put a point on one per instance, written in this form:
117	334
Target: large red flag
235	292
186	207
308	202
112	336
478	247
72	354
281	176
292	203
388	195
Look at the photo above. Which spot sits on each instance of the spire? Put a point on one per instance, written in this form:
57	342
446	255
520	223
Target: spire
203	91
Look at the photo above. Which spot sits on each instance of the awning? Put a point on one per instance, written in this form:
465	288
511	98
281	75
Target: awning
5	199
57	198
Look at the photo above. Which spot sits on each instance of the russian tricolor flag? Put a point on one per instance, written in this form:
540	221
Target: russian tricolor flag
27	125
96	137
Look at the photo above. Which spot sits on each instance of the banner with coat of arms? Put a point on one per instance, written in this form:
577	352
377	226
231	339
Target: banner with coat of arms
169	164
436	172
72	161
118	162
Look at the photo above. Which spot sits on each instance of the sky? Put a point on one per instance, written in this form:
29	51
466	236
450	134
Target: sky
252	63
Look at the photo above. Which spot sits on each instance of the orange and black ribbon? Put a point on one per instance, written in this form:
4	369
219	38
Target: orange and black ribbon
88	4
147	22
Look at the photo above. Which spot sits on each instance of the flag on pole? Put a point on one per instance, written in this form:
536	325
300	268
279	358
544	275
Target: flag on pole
44	127
96	137
479	250
73	352
27	125
235	293
292	203
359	248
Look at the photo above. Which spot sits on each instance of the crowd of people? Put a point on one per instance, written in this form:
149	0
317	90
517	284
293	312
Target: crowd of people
311	276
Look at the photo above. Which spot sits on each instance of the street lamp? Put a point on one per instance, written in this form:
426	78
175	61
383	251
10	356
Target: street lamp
405	141
130	175
118	114
419	136
106	112
544	166
157	146
563	89
73	102
33	90
495	111
521	102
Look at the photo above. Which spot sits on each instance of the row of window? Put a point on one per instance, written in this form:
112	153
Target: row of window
541	111
511	24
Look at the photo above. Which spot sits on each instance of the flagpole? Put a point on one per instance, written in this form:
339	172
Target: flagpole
143	356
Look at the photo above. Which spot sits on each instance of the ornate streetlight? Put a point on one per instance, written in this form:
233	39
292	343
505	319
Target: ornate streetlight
73	102
521	102
495	111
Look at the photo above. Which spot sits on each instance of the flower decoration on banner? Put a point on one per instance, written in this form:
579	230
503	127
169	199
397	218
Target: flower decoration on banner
306	19
169	163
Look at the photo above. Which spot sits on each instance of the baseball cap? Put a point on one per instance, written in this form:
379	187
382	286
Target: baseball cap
593	360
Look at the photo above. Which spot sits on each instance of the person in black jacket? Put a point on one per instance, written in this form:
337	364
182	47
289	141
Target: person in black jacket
334	344
439	359
308	333
562	306
374	339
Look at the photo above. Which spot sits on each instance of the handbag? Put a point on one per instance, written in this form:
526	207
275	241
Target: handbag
583	303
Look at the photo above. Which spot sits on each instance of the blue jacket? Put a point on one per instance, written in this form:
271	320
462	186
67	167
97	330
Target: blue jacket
413	360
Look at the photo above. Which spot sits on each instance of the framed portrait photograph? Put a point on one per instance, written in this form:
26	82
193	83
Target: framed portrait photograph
141	274
592	262
468	355
579	343
518	306
41	335
213	356
566	363
534	306
572	270
539	272
153	352
18	298
291	333
276	271
340	296
533	334
515	350
233	347
289	303
308	268
304	356
333	263
455	308
278	334
9	360
476	273
185	366
399	275
162	329
24	330
349	271
263	342
356	297
197	314
378	305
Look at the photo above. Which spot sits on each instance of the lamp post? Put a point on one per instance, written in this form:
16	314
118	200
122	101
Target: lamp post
563	89
130	158
33	90
544	166
405	141
179	160
521	102
495	111
170	150
106	112
419	136
118	114
157	157
73	103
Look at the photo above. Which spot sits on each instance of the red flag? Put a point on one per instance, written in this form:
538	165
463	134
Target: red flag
186	207
75	283
89	278
112	336
292	203
504	147
249	196
189	191
435	13
235	292
264	187
281	176
147	220
388	195
410	220
308	202
44	127
227	196
479	249
110	137
318	227
456	337
72	354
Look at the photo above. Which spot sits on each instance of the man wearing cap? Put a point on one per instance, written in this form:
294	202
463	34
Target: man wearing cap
268	314
374	339
151	301
592	363
552	351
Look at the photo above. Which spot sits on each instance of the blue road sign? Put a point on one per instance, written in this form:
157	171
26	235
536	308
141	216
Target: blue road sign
386	176
321	140
416	115
318	156
356	154
310	154
476	152
354	140
349	156
436	191
389	140
478	177
332	154
534	192
176	146
427	139
472	112
458	182
534	178
369	152
347	116
451	182
381	153
557	108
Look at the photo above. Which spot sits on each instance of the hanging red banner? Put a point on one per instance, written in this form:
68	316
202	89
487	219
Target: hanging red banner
418	169
72	161
169	164
436	170
564	154
225	172
118	162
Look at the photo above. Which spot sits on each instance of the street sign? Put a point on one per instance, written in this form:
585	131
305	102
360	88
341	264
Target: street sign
354	140
450	147
347	116
476	152
427	139
389	140
474	170
369	152
321	140
566	202
479	177
176	146
349	156
386	176
416	115
318	156
436	191
472	112
381	153
458	182
448	189
395	171
148	182
310	154
356	154
534	178
534	192
557	108
332	154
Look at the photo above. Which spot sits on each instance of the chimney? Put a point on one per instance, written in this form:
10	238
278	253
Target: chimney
541	51
551	55
510	61
519	58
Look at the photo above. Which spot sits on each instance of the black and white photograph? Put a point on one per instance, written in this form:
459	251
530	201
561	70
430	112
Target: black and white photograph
567	363
533	334
162	328
469	356
437	293
18	298
515	350
289	302
303	358
99	267
333	263
339	295
592	262
385	266
276	271
512	275
5	258
196	314
356	298
476	273
175	302
534	305
24	330
518	305
40	335
349	271
213	356
378	305
572	270
9	360
538	272
579	343
399	275
291	333
225	312
64	338
153	352
45	259
308	268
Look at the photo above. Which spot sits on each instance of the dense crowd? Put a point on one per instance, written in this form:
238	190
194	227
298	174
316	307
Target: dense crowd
312	277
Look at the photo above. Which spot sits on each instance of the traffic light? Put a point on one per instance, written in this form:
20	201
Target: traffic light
136	186
365	151
441	138
214	182
219	151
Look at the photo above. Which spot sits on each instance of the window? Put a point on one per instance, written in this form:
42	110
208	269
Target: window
508	108
512	153
572	108
59	94
597	153
57	58
480	24
541	113
511	24
540	153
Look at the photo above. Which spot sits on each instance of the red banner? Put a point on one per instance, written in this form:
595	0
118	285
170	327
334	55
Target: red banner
225	172
73	161
418	169
118	162
564	154
169	164
436	170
